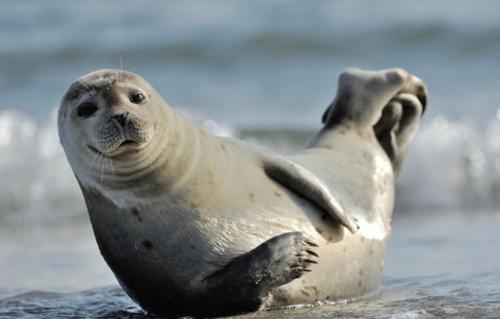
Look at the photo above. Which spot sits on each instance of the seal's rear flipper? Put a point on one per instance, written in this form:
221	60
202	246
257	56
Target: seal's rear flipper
397	126
387	102
303	182
362	95
240	285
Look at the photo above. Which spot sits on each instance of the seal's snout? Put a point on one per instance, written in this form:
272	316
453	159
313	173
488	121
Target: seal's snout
122	131
121	119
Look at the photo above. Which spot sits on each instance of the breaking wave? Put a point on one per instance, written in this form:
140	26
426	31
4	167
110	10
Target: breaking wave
451	164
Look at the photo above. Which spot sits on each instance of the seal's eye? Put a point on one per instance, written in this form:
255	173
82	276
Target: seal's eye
137	98
86	109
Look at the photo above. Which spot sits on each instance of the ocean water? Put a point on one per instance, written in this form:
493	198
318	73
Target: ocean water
263	71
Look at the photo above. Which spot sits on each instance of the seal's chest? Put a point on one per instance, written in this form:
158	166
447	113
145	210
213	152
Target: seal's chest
158	240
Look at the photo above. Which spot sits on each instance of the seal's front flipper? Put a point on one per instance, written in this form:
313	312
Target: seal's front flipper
248	278
303	182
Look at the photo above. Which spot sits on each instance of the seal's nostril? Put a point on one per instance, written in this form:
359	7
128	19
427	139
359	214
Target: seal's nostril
121	118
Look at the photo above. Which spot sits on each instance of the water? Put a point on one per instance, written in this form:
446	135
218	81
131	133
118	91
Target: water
265	71
445	267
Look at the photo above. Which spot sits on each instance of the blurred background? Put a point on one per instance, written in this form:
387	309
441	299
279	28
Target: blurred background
264	71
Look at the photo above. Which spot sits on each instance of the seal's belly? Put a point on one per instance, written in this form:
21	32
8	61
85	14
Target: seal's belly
349	264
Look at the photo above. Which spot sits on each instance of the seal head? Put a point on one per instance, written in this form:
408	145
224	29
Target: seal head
107	124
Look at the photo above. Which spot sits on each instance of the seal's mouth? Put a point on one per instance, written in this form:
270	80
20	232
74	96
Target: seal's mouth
127	142
121	147
95	150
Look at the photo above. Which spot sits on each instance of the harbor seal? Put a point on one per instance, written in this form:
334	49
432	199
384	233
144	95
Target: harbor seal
195	224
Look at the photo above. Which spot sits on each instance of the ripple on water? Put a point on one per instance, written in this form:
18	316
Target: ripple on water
443	296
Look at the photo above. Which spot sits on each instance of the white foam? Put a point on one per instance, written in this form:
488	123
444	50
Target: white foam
452	164
35	176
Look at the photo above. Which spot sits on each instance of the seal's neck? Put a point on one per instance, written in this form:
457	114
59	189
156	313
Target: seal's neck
168	162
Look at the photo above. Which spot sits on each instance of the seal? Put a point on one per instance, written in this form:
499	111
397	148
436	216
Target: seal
195	224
